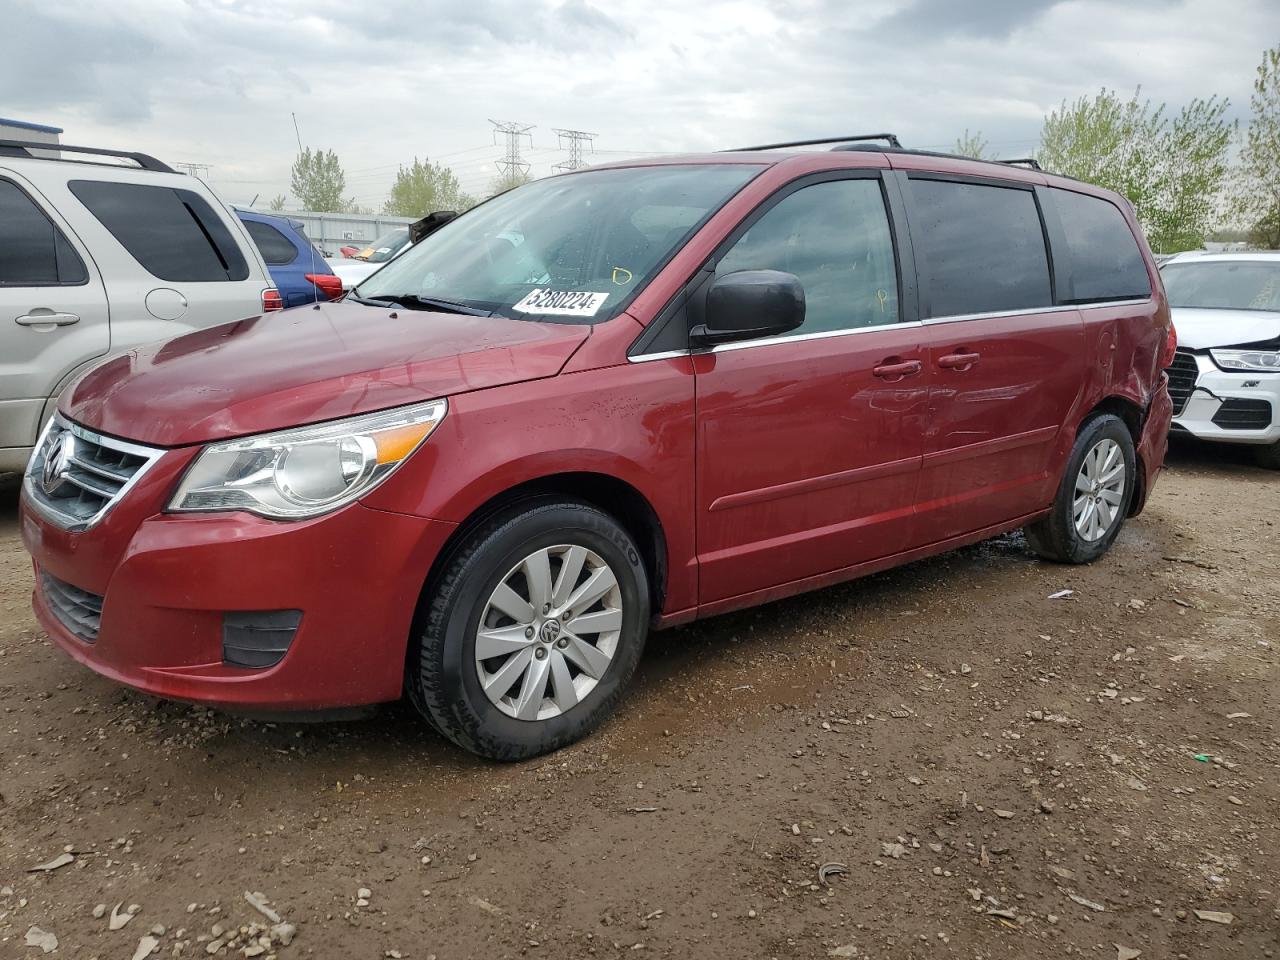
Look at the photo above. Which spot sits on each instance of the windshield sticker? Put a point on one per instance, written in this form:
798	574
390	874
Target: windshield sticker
565	303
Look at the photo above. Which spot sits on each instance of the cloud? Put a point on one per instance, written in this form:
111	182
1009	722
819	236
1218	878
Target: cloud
984	18
218	81
51	63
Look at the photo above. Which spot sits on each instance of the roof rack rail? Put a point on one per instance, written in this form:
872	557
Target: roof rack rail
23	148
1031	162
890	138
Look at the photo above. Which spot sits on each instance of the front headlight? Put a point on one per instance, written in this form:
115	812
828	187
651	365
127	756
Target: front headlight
306	471
1262	360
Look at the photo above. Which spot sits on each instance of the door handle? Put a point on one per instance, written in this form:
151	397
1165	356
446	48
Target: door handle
897	369
47	319
958	361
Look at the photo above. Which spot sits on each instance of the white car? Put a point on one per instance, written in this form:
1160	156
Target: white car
97	257
1225	378
357	269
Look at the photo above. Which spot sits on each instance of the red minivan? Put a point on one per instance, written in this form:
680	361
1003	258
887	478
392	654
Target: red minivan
607	401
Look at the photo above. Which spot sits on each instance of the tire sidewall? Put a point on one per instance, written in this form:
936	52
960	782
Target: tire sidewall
465	703
1106	427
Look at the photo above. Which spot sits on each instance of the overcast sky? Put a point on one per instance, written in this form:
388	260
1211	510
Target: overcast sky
379	81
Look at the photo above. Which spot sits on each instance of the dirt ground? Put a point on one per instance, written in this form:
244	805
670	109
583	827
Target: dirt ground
1001	775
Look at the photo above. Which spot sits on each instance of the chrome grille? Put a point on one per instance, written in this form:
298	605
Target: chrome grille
76	475
1183	373
78	610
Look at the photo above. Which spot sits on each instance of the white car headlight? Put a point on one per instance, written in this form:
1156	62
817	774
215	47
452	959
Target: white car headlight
1262	360
306	471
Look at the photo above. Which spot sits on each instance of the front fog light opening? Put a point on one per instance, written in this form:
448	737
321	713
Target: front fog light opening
257	639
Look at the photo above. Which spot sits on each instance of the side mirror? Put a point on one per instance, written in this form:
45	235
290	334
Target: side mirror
421	229
750	304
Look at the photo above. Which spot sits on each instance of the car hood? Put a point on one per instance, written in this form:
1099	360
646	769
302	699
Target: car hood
1199	329
308	364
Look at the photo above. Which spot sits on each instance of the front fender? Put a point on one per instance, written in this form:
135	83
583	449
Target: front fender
633	423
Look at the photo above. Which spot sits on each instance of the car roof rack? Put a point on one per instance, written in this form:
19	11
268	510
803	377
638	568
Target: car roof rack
23	148
890	138
1031	162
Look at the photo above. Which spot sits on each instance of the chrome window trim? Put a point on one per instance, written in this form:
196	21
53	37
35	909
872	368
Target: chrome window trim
65	521
770	341
1025	311
827	334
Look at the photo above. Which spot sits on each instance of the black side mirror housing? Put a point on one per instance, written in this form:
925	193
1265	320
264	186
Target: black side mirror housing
421	229
748	305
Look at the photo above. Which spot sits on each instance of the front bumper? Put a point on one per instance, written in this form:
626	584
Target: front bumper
166	581
1214	411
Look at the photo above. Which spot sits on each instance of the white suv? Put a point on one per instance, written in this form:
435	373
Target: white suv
97	257
1225	378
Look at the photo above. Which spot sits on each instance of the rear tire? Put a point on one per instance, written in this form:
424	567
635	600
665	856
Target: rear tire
509	590
1092	501
1268	456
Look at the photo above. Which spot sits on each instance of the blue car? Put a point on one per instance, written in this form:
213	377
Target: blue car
296	266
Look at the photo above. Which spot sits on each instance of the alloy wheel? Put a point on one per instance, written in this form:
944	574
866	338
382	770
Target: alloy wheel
1099	493
548	632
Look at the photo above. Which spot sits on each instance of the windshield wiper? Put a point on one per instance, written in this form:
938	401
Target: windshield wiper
368	301
415	302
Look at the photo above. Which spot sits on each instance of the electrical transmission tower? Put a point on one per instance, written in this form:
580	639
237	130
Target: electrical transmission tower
512	168
198	170
578	142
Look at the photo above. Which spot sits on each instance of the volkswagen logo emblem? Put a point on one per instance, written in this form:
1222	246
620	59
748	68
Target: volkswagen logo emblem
550	631
57	463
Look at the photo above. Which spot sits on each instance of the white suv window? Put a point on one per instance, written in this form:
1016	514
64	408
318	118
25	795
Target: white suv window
173	233
33	252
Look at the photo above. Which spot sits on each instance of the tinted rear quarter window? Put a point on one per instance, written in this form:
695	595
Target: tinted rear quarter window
1106	263
979	248
173	233
274	246
33	252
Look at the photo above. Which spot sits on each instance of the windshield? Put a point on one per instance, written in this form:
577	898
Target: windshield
565	249
385	247
1224	284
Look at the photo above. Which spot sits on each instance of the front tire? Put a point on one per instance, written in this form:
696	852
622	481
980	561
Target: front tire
1093	498
526	641
1268	456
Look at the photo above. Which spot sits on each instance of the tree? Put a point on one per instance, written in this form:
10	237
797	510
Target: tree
509	180
318	181
974	145
1265	231
424	187
1257	201
277	202
1173	170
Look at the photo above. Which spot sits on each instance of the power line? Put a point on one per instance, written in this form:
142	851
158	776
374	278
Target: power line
511	165
576	140
198	170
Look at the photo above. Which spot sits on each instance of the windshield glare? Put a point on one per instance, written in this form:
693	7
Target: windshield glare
1224	284
385	247
566	249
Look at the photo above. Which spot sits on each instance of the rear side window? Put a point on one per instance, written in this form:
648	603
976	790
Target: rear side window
1106	263
173	233
835	238
979	248
272	244
33	252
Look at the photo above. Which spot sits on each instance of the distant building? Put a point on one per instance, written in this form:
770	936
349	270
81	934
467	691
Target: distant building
37	132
